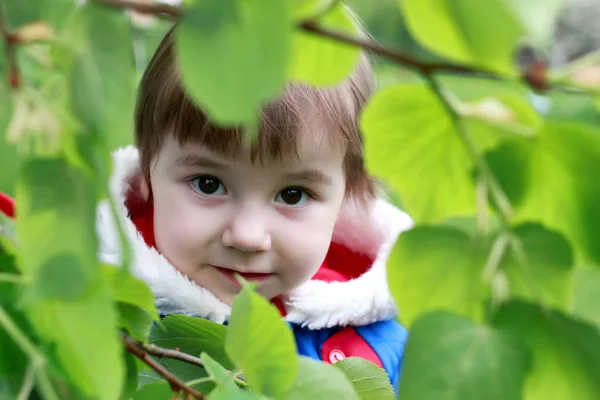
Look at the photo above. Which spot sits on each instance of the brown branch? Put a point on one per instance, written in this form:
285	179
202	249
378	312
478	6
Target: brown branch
14	78
168	353
535	76
144	7
177	385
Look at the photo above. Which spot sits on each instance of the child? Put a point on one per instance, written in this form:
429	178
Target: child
296	213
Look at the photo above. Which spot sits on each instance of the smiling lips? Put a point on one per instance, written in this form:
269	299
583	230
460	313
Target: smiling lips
249	276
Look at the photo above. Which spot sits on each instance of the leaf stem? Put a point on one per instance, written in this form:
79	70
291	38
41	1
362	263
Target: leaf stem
200	380
177	385
12	278
38	361
506	211
28	382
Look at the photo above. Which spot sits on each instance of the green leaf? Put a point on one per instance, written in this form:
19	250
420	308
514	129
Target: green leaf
53	194
538	17
130	382
546	273
566	353
127	289
262	344
217	371
231	393
193	336
137	321
21	12
322	61
215	38
9	157
369	381
568	202
482	33
317	380
411	143
102	73
437	268
86	339
585	301
154	391
450	357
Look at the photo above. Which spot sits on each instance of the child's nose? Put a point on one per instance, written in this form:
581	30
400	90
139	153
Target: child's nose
247	232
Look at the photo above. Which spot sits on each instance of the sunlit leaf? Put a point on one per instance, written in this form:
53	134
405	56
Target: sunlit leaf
322	61
411	142
553	180
482	33
437	268
585	301
154	391
545	272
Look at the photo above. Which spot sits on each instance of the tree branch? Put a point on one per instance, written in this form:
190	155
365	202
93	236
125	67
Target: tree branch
14	78
168	353
177	385
143	7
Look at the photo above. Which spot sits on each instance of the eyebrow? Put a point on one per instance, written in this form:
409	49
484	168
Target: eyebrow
192	160
310	175
195	161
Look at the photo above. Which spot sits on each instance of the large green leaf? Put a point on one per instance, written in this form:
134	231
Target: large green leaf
56	206
482	33
102	73
411	143
566	353
545	272
585	300
449	357
234	54
553	180
86	339
369	381
437	268
317	380
262	344
323	61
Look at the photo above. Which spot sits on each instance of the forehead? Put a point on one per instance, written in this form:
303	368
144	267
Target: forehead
309	147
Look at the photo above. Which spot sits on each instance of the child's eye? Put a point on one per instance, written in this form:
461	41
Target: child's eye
208	185
292	197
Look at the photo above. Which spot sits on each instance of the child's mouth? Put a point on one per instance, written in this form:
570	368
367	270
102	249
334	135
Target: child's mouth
249	276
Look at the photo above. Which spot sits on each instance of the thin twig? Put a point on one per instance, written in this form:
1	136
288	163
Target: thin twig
169	353
27	385
12	278
14	77
144	7
177	385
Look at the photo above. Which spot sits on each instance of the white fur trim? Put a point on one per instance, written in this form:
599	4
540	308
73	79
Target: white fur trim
315	304
173	291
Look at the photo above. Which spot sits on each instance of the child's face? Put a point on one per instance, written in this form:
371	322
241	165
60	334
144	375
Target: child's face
272	222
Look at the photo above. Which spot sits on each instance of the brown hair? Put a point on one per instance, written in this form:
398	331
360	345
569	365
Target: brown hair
164	108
